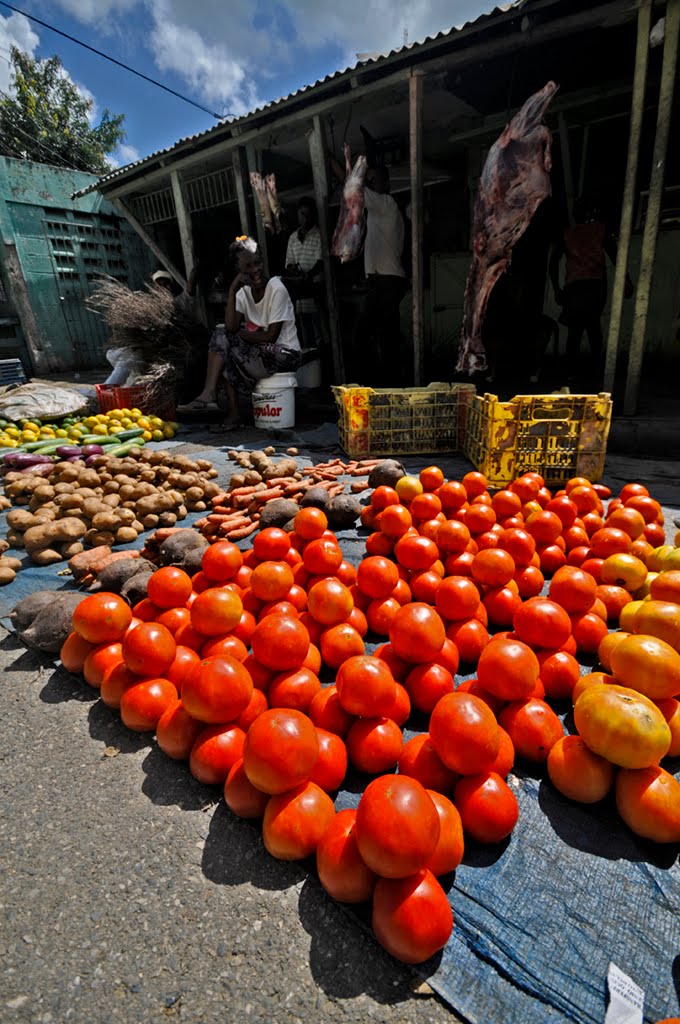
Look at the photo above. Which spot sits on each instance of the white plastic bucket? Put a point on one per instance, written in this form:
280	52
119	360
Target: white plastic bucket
274	401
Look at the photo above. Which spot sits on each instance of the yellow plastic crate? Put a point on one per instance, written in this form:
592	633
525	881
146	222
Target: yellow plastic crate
402	421
558	436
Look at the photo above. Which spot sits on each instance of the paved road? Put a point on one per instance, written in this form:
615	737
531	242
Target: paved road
127	894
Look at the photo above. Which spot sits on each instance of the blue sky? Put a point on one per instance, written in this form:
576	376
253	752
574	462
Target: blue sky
228	55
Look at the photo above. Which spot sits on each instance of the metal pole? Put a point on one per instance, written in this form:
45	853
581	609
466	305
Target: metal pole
415	92
317	153
663	121
628	206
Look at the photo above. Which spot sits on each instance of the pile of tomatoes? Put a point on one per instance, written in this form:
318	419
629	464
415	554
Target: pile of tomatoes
226	668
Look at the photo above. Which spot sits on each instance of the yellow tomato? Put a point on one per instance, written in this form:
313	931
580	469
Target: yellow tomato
147	435
60	432
407	488
12	432
144	422
100	428
28	435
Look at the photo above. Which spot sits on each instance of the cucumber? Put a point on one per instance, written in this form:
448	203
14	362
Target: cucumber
46	445
106	439
123	449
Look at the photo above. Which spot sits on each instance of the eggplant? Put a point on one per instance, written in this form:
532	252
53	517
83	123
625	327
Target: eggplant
73	458
65	451
44	469
90	460
24	460
91	449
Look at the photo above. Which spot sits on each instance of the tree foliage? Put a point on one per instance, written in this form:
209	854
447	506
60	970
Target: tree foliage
48	120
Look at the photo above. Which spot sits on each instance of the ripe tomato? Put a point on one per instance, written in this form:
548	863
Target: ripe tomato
508	669
431	478
565	509
488	807
505	758
216	749
519	544
670	709
401	709
294	822
457	598
217	690
142	705
340	643
417	633
397	826
331	765
280	751
365	686
451	846
169	587
146	611
464	732
330	602
578	773
501	603
102	618
647	664
622	725
149	649
280	642
293	689
103	657
271	580
415	552
533	727
221	561
411	917
117	679
559	673
326	712
648	800
216	611
427	683
614	600
176	731
383	496
374	744
310	523
271	543
342	871
419	760
452	495
425	507
424	586
74	651
230	645
573	589
470	638
588	630
629	520
607	645
660	619
541	622
609	541
241	797
322	556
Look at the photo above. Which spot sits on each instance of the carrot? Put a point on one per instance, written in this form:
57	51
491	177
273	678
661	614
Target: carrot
261	497
335	490
244	531
358	486
281	481
369	462
200	524
219	499
239	492
234	524
357	471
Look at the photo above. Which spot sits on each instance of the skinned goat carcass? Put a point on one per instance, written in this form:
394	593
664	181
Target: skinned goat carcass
274	203
260	189
348	238
514	182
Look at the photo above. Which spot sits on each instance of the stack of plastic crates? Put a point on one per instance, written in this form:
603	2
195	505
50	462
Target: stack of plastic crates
11	372
558	436
402	421
111	397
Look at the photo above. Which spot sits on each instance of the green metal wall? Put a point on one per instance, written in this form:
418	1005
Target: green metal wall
63	246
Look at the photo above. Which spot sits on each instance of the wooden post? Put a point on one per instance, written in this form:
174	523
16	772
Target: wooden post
186	235
317	153
584	159
148	240
628	202
567	169
40	351
415	95
644	287
261	231
242	189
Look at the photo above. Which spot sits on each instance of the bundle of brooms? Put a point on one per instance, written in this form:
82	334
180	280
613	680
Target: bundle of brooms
149	323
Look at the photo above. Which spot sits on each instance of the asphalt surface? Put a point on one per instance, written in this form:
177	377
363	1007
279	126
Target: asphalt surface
128	892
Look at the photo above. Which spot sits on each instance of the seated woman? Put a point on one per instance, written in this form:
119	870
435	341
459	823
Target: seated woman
259	337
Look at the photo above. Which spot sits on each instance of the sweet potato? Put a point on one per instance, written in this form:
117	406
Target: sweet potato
173	550
45	624
343	511
386	473
278	512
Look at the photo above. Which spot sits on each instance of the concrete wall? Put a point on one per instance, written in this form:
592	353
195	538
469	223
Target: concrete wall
61	246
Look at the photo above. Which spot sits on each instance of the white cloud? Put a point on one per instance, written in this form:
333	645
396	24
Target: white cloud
14	31
125	154
96	11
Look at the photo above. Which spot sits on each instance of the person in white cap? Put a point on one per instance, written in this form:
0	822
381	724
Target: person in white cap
185	300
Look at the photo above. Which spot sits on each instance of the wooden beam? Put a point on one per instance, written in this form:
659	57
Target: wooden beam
416	166
186	234
317	153
242	189
164	260
628	201
584	159
651	229
42	356
567	166
261	231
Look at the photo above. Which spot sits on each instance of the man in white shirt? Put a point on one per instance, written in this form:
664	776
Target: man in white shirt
304	264
378	318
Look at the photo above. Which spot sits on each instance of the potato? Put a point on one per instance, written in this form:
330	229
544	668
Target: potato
38	538
71	549
15	540
285	467
125	535
46	556
4	503
112	500
99	538
166	519
105	521
10	563
4	545
7	575
19	520
150	521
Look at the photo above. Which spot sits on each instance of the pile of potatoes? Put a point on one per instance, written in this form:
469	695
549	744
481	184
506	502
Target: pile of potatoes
257	467
111	502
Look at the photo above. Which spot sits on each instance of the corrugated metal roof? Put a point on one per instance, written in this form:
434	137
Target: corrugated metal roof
297	93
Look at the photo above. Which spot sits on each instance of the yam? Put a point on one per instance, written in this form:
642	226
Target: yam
50	623
386	473
316	497
277	512
114	575
25	611
134	588
343	511
173	550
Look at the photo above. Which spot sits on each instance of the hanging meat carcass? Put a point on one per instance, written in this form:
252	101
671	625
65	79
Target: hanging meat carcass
261	191
277	210
351	229
514	183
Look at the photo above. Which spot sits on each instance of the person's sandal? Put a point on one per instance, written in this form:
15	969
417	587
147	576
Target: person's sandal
198	405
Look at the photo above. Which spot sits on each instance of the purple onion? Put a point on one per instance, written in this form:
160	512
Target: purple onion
74	458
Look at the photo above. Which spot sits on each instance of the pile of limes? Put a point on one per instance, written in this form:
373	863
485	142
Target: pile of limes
13	435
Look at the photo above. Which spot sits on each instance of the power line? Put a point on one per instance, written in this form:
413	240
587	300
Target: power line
113	60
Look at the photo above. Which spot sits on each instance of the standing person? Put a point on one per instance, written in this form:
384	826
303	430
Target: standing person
584	294
304	264
379	312
184	300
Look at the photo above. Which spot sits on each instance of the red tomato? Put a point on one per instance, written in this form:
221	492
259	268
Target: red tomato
365	686
508	669
280	642
401	709
573	589
541	622
331	766
340	643
295	821
327	712
217	690
176	731
216	750
280	751
426	684
271	543
488	807
330	602
117	679
241	797
310	523
149	649
216	611
501	603
588	631
533	727
470	638
411	917
493	567
221	645
374	744
169	587
342	872
142	705
464	732
294	689
457	598
451	846
505	758
103	657
322	556
419	760
397	826
221	561
74	651
417	633
559	673
102	618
